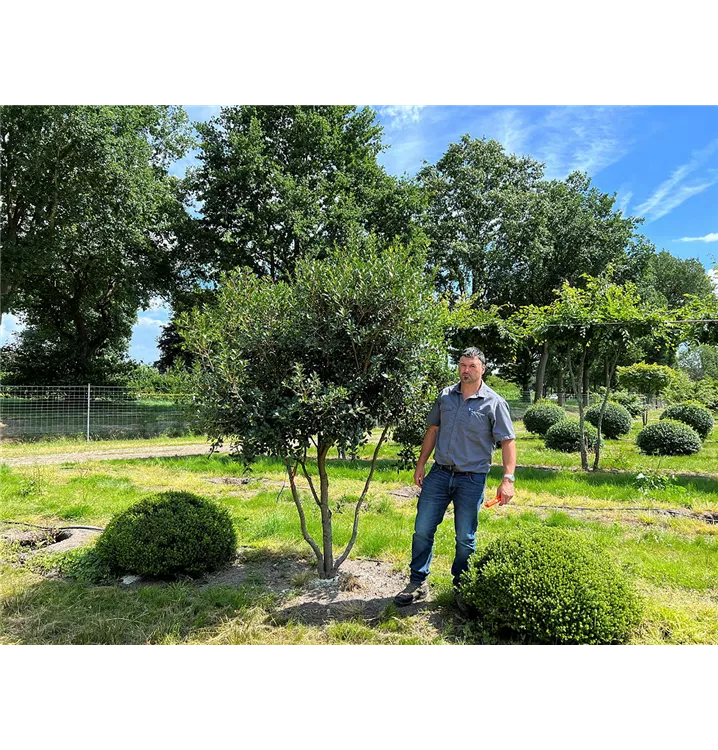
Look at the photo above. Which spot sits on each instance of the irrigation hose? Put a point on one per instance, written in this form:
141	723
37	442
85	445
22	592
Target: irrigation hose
55	528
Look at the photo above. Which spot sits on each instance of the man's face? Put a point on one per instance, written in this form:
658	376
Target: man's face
471	369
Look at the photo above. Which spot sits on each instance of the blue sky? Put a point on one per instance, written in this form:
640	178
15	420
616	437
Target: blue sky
661	161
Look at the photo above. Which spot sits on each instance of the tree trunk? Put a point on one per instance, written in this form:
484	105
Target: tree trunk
610	369
584	379
576	380
541	372
560	392
327	569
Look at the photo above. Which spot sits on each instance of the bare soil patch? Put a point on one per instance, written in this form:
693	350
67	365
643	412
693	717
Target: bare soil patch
363	589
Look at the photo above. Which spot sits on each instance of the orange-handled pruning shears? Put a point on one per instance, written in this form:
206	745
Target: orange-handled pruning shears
493	502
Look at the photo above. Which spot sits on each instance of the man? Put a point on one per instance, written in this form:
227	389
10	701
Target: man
465	422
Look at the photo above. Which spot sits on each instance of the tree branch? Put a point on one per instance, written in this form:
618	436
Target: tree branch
302	518
360	501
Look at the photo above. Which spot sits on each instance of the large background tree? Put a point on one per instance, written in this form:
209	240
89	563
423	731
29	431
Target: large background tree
88	213
278	183
510	238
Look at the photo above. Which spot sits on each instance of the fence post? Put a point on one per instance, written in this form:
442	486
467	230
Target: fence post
88	412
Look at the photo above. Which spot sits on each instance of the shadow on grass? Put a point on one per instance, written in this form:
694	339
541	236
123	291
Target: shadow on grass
388	470
235	466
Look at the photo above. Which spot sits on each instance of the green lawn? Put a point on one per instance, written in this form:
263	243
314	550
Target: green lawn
673	560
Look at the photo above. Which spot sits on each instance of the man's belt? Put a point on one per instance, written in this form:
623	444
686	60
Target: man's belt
454	470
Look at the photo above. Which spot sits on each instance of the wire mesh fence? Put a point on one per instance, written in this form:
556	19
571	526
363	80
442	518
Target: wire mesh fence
93	412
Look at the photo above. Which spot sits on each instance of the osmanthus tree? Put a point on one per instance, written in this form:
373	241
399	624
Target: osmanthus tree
345	343
594	323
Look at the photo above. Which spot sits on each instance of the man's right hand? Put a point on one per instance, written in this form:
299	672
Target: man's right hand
419	475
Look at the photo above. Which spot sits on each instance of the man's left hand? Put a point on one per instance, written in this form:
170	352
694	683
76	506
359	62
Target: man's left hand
505	491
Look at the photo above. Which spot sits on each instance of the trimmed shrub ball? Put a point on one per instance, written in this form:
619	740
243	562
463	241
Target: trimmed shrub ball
549	585
167	534
695	416
616	420
565	436
539	417
668	438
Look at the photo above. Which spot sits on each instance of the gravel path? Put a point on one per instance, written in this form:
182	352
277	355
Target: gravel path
105	455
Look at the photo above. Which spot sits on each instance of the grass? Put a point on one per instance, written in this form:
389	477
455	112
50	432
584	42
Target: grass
672	561
78	443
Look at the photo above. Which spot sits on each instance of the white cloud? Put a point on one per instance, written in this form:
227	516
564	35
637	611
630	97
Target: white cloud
398	116
623	201
712	237
508	127
587	139
674	191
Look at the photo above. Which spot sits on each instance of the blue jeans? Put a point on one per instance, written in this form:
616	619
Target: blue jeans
439	489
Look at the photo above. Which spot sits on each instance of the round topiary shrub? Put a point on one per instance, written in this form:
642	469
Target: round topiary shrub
694	415
565	436
167	534
539	417
549	585
668	438
616	420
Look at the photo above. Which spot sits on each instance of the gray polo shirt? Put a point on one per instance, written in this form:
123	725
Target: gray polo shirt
469	429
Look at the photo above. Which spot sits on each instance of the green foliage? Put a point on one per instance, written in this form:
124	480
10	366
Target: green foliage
694	415
683	389
652	480
144	379
351	341
565	436
542	415
616	420
669	279
699	361
82	564
167	534
89	211
644	378
549	585
279	183
632	402
668	438
411	425
505	388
